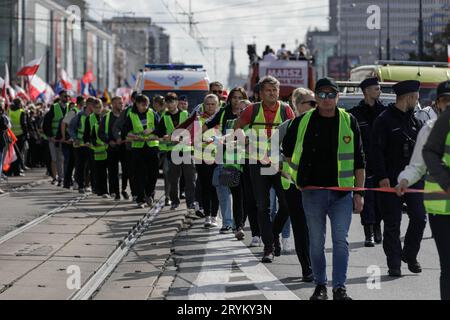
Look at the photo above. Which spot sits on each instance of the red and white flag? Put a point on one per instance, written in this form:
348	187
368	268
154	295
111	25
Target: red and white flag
31	68
37	87
6	84
66	83
21	93
448	50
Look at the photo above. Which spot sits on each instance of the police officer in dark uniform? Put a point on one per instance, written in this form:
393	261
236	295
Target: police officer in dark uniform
394	137
366	113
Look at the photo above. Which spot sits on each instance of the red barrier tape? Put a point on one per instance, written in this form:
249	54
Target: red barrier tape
385	190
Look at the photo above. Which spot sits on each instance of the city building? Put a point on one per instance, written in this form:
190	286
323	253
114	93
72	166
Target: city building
43	28
399	23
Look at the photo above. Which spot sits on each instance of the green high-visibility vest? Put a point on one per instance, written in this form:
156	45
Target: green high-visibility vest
259	124
170	128
286	182
15	117
438	204
100	153
58	115
208	151
346	151
138	129
236	155
81	127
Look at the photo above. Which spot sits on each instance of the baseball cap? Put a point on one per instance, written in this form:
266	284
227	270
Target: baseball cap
326	82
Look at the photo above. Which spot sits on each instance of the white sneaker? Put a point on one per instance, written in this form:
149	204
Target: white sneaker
256	242
214	223
106	196
286	245
208	222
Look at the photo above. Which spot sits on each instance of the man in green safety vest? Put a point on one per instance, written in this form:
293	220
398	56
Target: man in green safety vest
172	119
19	127
99	154
324	149
436	154
263	119
52	129
116	151
82	152
139	128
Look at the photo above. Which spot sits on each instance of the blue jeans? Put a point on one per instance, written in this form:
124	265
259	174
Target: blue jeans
224	196
339	208
286	232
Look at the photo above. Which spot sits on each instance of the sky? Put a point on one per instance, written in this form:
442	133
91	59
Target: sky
222	22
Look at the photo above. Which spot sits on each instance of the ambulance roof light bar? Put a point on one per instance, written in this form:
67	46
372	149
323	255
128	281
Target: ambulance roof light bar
173	66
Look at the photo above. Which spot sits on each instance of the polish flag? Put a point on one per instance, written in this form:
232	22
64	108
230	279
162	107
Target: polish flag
66	83
21	93
49	94
37	87
31	68
448	50
6	85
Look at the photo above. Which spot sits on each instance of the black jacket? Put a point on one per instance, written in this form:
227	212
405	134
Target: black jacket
3	128
393	139
366	116
318	166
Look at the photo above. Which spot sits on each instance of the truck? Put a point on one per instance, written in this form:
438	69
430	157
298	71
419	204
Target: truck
191	81
292	74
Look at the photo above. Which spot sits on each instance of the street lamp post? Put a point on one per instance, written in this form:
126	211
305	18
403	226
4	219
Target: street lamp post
388	39
420	31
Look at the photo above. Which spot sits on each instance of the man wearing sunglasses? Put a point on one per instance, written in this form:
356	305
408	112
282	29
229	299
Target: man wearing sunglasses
366	112
324	149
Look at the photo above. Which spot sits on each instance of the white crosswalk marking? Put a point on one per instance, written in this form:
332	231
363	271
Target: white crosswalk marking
226	259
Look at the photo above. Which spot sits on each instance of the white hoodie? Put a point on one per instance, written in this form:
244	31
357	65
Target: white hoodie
417	167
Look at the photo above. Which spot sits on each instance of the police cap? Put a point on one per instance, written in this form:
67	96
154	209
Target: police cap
369	82
405	87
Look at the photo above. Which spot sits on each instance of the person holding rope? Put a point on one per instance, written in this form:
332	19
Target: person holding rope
170	121
263	119
437	205
99	153
77	127
139	129
116	151
393	139
67	143
324	149
52	129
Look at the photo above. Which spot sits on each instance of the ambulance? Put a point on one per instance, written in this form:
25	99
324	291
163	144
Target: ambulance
191	81
430	74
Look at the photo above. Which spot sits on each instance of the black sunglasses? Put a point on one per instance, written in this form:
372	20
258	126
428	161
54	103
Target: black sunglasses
313	104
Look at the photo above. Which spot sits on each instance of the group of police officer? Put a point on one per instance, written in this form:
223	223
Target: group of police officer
327	152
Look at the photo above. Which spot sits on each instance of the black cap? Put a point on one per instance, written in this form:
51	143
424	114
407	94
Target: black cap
183	98
327	82
369	82
405	87
443	89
